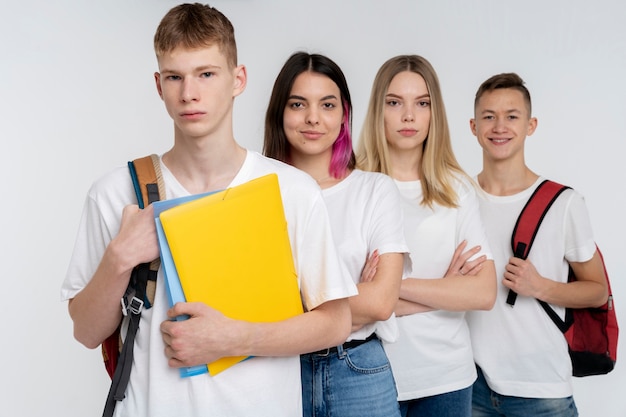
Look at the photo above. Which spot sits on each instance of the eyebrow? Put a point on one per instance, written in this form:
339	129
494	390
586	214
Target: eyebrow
202	68
506	111
297	97
398	96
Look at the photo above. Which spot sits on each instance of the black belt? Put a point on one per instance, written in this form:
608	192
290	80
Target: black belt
347	345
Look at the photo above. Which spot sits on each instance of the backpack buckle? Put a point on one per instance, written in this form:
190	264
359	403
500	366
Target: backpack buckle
135	306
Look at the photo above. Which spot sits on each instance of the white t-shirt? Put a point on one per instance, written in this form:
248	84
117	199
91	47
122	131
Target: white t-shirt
520	350
365	215
267	386
433	354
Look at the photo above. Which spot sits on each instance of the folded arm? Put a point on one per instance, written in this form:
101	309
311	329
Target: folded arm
467	285
377	296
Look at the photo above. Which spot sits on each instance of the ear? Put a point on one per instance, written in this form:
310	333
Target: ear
241	79
472	124
532	125
157	80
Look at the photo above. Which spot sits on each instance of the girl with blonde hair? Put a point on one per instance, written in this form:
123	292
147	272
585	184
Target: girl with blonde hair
406	136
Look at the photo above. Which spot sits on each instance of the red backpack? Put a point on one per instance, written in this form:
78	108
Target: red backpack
591	333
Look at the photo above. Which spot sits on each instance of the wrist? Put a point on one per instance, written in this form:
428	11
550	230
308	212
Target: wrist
118	259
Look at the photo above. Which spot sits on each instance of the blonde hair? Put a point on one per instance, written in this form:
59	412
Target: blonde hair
439	167
196	26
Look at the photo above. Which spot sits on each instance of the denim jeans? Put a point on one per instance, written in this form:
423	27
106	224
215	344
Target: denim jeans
356	382
450	404
486	403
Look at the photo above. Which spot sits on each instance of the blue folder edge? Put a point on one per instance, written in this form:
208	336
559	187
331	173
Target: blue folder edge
172	283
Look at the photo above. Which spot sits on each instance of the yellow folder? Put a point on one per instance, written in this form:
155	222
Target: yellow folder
232	251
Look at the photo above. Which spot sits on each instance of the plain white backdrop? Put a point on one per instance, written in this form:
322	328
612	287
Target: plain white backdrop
77	98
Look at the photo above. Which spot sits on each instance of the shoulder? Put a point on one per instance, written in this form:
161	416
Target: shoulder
115	186
572	205
464	186
568	198
373	180
293	182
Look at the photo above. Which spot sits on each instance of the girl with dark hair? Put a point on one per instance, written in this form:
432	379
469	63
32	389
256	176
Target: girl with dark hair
308	126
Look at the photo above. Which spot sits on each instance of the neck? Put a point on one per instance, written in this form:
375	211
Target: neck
405	165
205	167
504	179
317	166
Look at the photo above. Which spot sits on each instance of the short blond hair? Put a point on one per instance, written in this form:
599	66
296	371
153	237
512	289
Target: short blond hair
196	26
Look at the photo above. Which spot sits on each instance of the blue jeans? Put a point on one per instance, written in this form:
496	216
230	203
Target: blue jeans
356	382
450	404
487	403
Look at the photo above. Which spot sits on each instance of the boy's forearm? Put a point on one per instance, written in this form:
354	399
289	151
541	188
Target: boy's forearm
326	326
96	310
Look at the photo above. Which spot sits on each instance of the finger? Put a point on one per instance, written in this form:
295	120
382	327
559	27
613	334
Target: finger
475	270
372	274
507	283
469	265
458	251
181	309
130	209
166	331
469	253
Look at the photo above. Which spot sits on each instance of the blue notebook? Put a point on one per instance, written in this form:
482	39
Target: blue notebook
172	283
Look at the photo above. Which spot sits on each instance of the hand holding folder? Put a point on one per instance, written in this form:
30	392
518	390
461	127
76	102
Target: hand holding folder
173	288
231	251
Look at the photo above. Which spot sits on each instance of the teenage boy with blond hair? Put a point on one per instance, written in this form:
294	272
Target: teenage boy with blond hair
198	79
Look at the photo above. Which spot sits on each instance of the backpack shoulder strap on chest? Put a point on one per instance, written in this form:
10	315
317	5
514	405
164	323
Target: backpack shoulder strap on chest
149	187
529	221
147	179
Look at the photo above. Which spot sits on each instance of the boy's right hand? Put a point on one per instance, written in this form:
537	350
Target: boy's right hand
136	241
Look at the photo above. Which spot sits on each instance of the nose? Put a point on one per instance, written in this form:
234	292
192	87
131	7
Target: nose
408	117
499	125
189	92
312	118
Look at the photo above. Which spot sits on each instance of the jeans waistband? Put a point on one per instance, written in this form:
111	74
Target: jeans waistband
347	345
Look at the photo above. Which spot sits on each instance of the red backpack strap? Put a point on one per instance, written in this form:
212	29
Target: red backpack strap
529	221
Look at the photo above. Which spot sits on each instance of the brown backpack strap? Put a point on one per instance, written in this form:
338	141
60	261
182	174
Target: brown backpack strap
149	177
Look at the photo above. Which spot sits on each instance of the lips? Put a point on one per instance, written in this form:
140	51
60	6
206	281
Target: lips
499	141
407	132
192	115
311	134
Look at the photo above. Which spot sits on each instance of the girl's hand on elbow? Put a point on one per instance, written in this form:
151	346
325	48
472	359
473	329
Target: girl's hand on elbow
369	269
461	264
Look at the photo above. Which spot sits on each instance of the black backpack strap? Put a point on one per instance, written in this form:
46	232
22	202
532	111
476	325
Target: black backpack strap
144	171
139	277
563	325
529	221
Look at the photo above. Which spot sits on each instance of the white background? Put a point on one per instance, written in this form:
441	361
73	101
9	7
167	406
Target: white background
77	98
